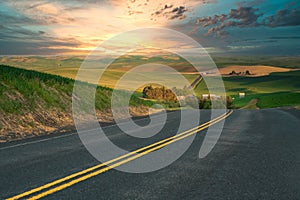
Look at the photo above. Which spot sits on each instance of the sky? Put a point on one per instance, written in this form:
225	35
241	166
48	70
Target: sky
75	27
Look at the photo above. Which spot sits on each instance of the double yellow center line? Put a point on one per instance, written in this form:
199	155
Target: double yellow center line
72	179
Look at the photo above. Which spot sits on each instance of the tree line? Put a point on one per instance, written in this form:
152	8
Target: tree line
186	98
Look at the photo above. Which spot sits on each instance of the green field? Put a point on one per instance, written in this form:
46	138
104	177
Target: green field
284	86
270	100
33	103
275	90
21	90
68	67
277	61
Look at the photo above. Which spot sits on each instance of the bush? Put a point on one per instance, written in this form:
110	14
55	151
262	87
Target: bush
160	93
208	103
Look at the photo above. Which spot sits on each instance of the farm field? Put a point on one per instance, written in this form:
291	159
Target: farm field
275	90
267	83
68	67
255	71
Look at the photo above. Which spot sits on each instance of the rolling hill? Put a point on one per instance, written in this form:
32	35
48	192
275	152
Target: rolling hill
34	103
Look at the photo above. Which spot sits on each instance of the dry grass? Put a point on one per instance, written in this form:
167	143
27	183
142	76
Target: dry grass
259	70
297	107
16	127
251	104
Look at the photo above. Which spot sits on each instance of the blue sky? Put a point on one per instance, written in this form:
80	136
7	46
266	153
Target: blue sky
231	27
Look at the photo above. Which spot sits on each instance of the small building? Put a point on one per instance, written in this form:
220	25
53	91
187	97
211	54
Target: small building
242	94
181	98
211	96
215	97
205	96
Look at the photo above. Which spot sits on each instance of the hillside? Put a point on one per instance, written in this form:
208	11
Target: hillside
68	66
277	61
35	103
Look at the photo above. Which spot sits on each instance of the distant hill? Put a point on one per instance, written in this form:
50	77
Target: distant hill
123	63
33	103
276	61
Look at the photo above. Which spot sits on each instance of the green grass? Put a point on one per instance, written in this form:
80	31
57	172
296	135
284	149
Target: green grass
276	90
21	89
270	100
25	90
277	83
278	100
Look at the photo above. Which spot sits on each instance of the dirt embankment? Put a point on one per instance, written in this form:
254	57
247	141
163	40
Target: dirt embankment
34	103
45	122
251	105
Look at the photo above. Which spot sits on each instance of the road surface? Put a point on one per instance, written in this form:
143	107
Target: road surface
256	157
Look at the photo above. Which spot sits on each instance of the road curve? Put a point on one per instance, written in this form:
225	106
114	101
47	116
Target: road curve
257	157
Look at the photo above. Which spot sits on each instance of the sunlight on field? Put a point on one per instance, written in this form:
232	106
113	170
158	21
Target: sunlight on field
68	67
264	80
259	70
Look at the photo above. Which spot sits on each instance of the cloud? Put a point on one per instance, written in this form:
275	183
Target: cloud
284	17
170	12
251	3
246	17
240	17
15	44
206	21
27	48
16	32
177	9
178	13
89	22
10	19
285	37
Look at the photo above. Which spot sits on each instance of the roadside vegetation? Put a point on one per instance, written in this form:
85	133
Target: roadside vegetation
281	84
270	100
34	103
184	98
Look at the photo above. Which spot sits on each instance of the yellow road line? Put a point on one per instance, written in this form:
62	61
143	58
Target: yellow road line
63	186
103	164
173	139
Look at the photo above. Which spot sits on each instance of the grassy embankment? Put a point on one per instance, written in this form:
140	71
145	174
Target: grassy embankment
33	103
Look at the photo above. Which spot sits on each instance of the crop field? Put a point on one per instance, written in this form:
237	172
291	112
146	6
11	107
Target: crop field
276	90
268	85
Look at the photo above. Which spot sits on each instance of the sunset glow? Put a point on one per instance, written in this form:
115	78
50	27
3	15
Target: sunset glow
78	27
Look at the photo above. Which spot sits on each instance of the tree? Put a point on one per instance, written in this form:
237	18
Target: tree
232	73
229	102
146	90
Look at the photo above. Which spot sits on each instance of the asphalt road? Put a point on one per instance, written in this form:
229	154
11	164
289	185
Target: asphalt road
256	157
